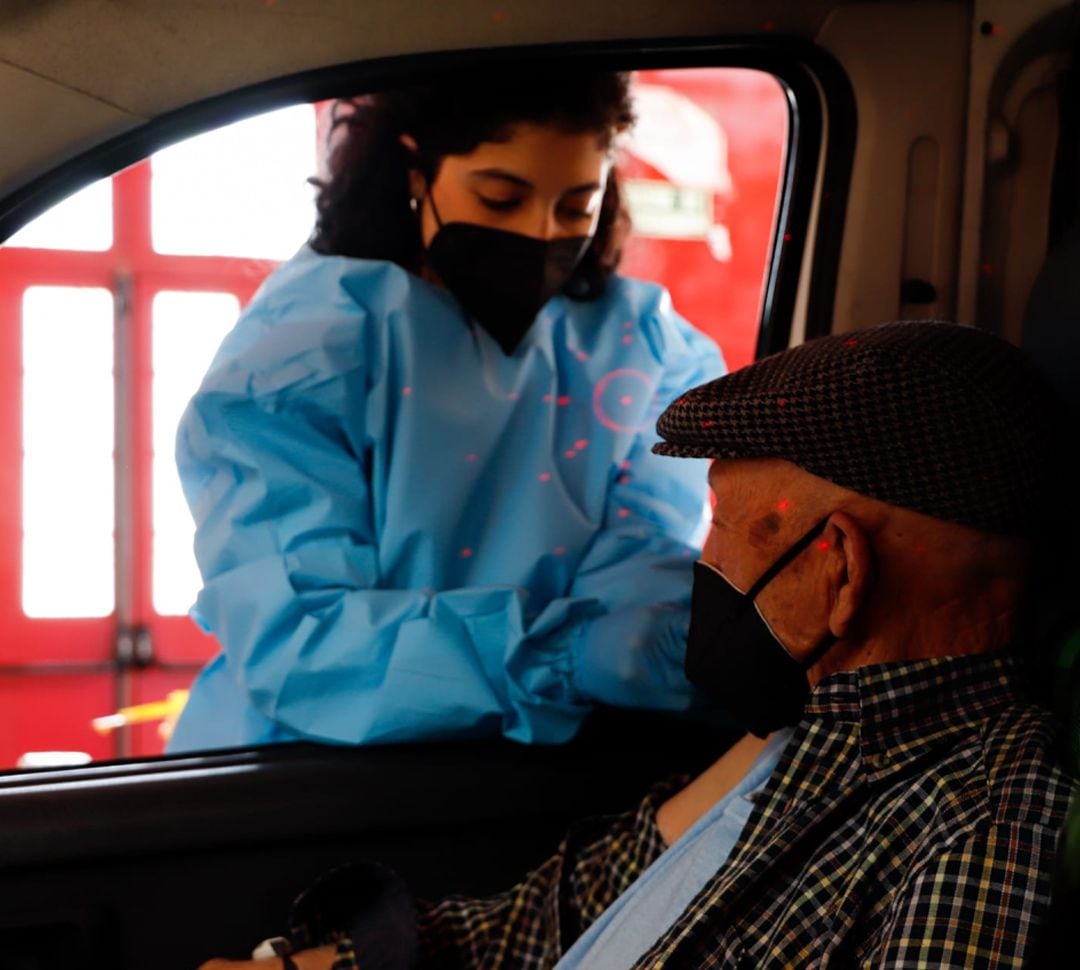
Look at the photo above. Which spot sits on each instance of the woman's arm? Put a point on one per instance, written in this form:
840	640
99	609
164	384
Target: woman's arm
640	565
286	543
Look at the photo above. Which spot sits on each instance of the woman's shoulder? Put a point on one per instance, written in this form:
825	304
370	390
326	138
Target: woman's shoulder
311	278
641	297
314	318
648	310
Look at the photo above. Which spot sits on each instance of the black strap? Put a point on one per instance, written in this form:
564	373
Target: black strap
282	949
787	557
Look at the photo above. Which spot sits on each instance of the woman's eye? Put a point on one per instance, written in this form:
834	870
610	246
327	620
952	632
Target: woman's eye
574	213
499	205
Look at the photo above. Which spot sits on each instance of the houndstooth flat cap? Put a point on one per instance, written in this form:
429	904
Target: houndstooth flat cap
935	417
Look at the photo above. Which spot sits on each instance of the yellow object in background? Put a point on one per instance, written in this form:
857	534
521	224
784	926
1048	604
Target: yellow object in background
166	711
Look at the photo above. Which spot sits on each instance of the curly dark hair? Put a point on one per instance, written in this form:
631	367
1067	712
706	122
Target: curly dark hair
363	207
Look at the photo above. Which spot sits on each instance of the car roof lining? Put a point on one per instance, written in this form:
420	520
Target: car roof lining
84	72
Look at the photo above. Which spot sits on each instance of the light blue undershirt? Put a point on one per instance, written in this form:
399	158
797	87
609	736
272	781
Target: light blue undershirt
642	914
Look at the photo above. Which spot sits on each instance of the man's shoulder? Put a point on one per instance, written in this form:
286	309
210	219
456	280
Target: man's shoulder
1026	781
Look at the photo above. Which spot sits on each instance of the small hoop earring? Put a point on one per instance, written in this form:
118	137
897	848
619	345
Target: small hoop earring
414	204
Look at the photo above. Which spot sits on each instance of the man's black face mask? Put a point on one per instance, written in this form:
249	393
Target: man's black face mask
735	658
500	278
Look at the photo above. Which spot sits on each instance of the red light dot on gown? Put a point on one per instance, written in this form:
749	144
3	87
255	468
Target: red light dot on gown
580	443
406	391
564	400
559	550
624	513
545	476
466	553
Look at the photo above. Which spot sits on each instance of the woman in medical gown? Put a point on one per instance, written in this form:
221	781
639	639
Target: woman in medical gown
420	463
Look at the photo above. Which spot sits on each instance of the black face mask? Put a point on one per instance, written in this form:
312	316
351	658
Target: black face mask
502	279
735	658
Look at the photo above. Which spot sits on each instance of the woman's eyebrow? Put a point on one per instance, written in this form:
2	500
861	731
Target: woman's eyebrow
505	176
502	175
587	187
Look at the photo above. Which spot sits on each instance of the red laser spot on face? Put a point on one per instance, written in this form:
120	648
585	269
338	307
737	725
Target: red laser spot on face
406	391
823	544
627	339
544	476
466	553
570	453
559	550
624	513
471	456
580	443
783	505
564	399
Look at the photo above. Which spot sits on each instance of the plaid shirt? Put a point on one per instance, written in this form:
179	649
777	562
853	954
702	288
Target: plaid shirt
911	822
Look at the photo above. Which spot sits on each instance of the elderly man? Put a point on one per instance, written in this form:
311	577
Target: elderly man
882	502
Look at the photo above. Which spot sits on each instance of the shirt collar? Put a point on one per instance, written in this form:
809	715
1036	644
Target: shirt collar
901	710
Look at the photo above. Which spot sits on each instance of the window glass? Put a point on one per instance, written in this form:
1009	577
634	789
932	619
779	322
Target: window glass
700	177
701	173
187	329
67	452
83	222
237	191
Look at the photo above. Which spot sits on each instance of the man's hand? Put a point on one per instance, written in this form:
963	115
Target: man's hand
321	958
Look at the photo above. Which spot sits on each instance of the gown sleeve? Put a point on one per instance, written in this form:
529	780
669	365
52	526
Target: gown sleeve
640	563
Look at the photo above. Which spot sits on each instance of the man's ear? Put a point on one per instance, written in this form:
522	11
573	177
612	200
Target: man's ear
852	572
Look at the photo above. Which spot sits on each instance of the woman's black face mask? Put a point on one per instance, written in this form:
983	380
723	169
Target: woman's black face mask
735	658
500	278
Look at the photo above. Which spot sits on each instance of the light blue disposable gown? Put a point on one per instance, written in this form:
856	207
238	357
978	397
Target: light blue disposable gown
406	534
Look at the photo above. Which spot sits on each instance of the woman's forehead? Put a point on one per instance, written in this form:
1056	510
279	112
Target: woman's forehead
539	153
